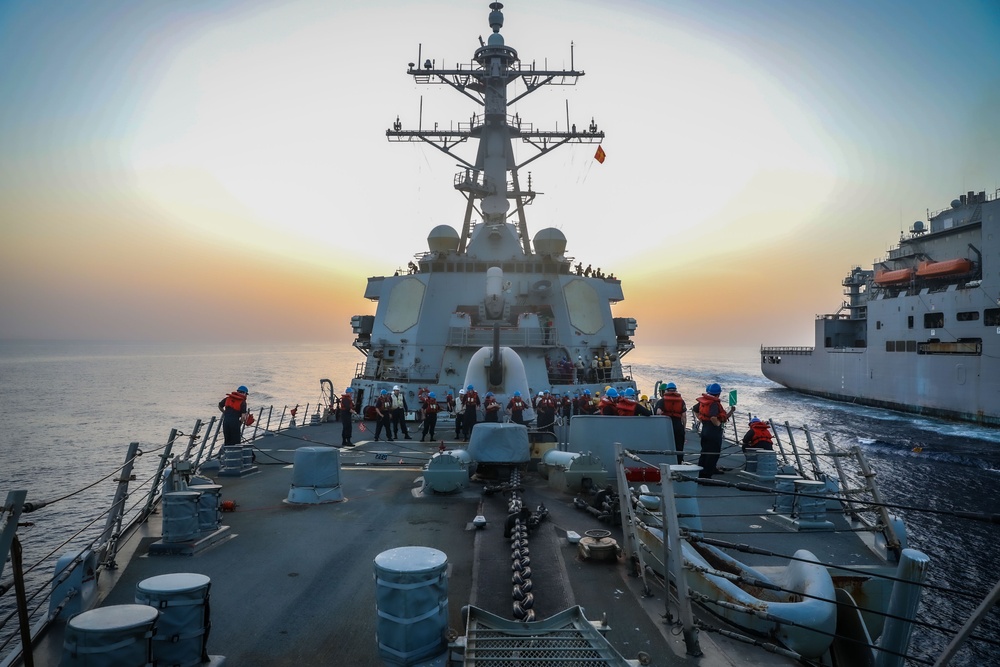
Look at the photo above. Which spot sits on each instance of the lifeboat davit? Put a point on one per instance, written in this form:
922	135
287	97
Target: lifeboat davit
893	277
950	267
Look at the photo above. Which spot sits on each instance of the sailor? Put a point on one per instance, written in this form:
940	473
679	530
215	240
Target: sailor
546	407
345	410
627	406
431	410
458	410
595	367
758	437
471	414
399	409
491	408
712	416
383	408
516	407
581	370
606	406
585	405
234	412
606	365
672	405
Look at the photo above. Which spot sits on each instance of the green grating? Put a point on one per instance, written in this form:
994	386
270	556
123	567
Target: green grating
567	638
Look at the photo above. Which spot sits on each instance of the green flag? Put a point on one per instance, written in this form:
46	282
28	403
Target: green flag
732	397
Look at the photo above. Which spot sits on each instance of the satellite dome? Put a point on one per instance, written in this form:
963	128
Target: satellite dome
443	239
955	203
918	227
550	241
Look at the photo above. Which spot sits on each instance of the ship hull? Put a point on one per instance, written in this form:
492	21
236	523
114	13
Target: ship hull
936	386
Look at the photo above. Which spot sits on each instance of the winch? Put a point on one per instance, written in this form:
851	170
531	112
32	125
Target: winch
598	545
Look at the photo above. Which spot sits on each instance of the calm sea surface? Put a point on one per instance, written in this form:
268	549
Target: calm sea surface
69	409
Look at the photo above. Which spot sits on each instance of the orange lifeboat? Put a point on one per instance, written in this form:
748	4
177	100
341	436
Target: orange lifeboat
893	277
950	267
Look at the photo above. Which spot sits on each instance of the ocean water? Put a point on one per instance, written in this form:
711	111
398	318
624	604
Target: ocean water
69	409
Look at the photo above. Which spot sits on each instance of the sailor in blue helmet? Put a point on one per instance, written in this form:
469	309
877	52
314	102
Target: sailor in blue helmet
234	412
491	408
431	410
516	407
758	436
672	405
712	415
470	414
383	408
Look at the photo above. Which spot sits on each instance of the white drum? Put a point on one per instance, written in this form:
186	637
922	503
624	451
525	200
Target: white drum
115	636
182	632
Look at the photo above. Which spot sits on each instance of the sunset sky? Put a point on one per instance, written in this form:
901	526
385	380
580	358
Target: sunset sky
218	169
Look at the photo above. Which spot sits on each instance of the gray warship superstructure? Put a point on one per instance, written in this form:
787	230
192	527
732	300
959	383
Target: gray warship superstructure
920	331
489	285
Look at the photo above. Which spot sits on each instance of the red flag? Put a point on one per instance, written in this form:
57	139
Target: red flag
600	154
362	427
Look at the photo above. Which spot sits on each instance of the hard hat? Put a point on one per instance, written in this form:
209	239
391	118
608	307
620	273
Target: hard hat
489	393
754	420
242	389
671	385
630	392
517	393
470	387
449	392
396	388
540	393
546	391
612	393
350	390
714	389
644	398
461	392
586	392
383	392
431	395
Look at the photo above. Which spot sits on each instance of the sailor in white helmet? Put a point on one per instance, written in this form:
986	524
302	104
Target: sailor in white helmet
399	409
458	413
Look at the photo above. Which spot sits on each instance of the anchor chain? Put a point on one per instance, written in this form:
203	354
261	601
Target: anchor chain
520	521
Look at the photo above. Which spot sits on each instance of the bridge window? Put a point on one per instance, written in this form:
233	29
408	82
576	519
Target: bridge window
933	320
967	316
991	317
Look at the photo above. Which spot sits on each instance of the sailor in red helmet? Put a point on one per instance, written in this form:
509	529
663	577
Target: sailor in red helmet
234	410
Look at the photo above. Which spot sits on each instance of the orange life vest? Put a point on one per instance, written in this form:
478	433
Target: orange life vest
673	404
626	407
236	401
431	406
607	406
705	402
516	404
761	434
491	404
346	402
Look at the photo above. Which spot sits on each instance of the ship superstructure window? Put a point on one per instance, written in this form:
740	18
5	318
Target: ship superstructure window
909	321
933	320
911	346
991	317
890	346
968	316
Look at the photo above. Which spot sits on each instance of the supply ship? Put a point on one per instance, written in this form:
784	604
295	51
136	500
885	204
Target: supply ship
920	331
490	283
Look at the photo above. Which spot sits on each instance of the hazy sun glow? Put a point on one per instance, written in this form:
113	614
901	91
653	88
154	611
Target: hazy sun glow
192	171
